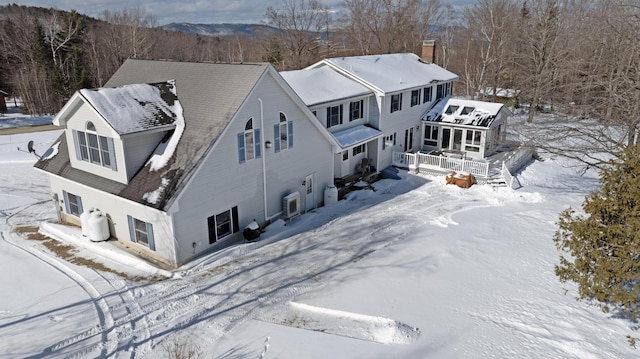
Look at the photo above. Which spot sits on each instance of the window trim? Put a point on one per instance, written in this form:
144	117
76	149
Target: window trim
334	118
68	205
134	230
356	110
431	135
473	144
415	97
213	225
249	143
427	94
102	153
396	102
358	150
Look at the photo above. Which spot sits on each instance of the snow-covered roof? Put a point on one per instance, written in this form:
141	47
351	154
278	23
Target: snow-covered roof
391	72
136	107
355	135
463	112
321	85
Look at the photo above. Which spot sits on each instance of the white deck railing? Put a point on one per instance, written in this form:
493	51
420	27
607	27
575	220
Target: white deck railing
415	161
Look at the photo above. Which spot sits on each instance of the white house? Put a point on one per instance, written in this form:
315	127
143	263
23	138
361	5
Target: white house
372	105
343	107
475	129
180	157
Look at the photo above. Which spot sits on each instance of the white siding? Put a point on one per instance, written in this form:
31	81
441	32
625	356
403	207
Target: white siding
138	148
116	210
222	182
78	121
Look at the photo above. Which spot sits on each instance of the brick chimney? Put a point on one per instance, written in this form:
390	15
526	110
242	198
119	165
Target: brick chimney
429	50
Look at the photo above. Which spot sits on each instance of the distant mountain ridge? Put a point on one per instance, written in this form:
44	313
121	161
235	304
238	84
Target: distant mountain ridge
249	30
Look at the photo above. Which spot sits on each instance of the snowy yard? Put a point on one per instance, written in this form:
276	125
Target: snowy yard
414	269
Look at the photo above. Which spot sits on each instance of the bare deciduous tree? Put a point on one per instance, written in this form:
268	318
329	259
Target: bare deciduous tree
300	25
388	26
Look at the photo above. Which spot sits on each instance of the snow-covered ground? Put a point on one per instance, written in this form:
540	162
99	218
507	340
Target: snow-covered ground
414	269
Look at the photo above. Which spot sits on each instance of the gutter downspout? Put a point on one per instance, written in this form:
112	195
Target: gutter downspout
264	163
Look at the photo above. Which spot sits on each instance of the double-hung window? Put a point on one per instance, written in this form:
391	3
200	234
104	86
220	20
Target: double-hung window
334	116
356	110
223	224
249	142
283	134
141	232
396	102
415	97
72	203
426	94
93	148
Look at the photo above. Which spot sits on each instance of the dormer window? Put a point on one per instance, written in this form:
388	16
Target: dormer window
93	148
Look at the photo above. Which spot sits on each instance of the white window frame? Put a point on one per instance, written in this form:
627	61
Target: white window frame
415	97
284	132
334	116
359	149
219	221
396	102
431	135
427	94
473	139
249	144
94	148
356	110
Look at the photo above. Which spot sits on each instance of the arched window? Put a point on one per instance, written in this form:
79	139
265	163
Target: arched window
249	142
283	133
91	147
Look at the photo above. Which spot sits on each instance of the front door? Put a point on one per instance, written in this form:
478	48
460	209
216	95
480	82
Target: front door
310	200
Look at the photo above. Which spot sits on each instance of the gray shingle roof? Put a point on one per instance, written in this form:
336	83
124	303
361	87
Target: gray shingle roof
210	95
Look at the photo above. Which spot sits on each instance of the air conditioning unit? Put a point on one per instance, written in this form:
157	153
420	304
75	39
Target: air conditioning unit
291	205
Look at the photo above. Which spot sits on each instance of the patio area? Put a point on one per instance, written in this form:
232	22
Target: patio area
495	169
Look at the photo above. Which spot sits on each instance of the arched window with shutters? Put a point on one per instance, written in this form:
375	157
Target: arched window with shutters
283	133
249	142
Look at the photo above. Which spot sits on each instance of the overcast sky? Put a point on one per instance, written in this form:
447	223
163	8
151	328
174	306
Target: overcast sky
192	11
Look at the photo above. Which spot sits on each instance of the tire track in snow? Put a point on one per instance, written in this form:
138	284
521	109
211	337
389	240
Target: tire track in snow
102	309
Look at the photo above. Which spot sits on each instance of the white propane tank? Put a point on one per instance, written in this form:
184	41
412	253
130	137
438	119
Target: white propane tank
98	227
330	195
84	221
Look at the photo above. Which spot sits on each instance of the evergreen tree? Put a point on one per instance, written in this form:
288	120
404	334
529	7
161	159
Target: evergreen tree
601	249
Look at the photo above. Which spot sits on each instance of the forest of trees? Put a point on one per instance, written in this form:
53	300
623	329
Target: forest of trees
580	56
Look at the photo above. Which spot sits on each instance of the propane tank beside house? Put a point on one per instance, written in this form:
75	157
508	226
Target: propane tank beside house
330	195
98	227
84	221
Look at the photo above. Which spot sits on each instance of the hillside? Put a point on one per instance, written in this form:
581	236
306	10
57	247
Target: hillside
249	30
